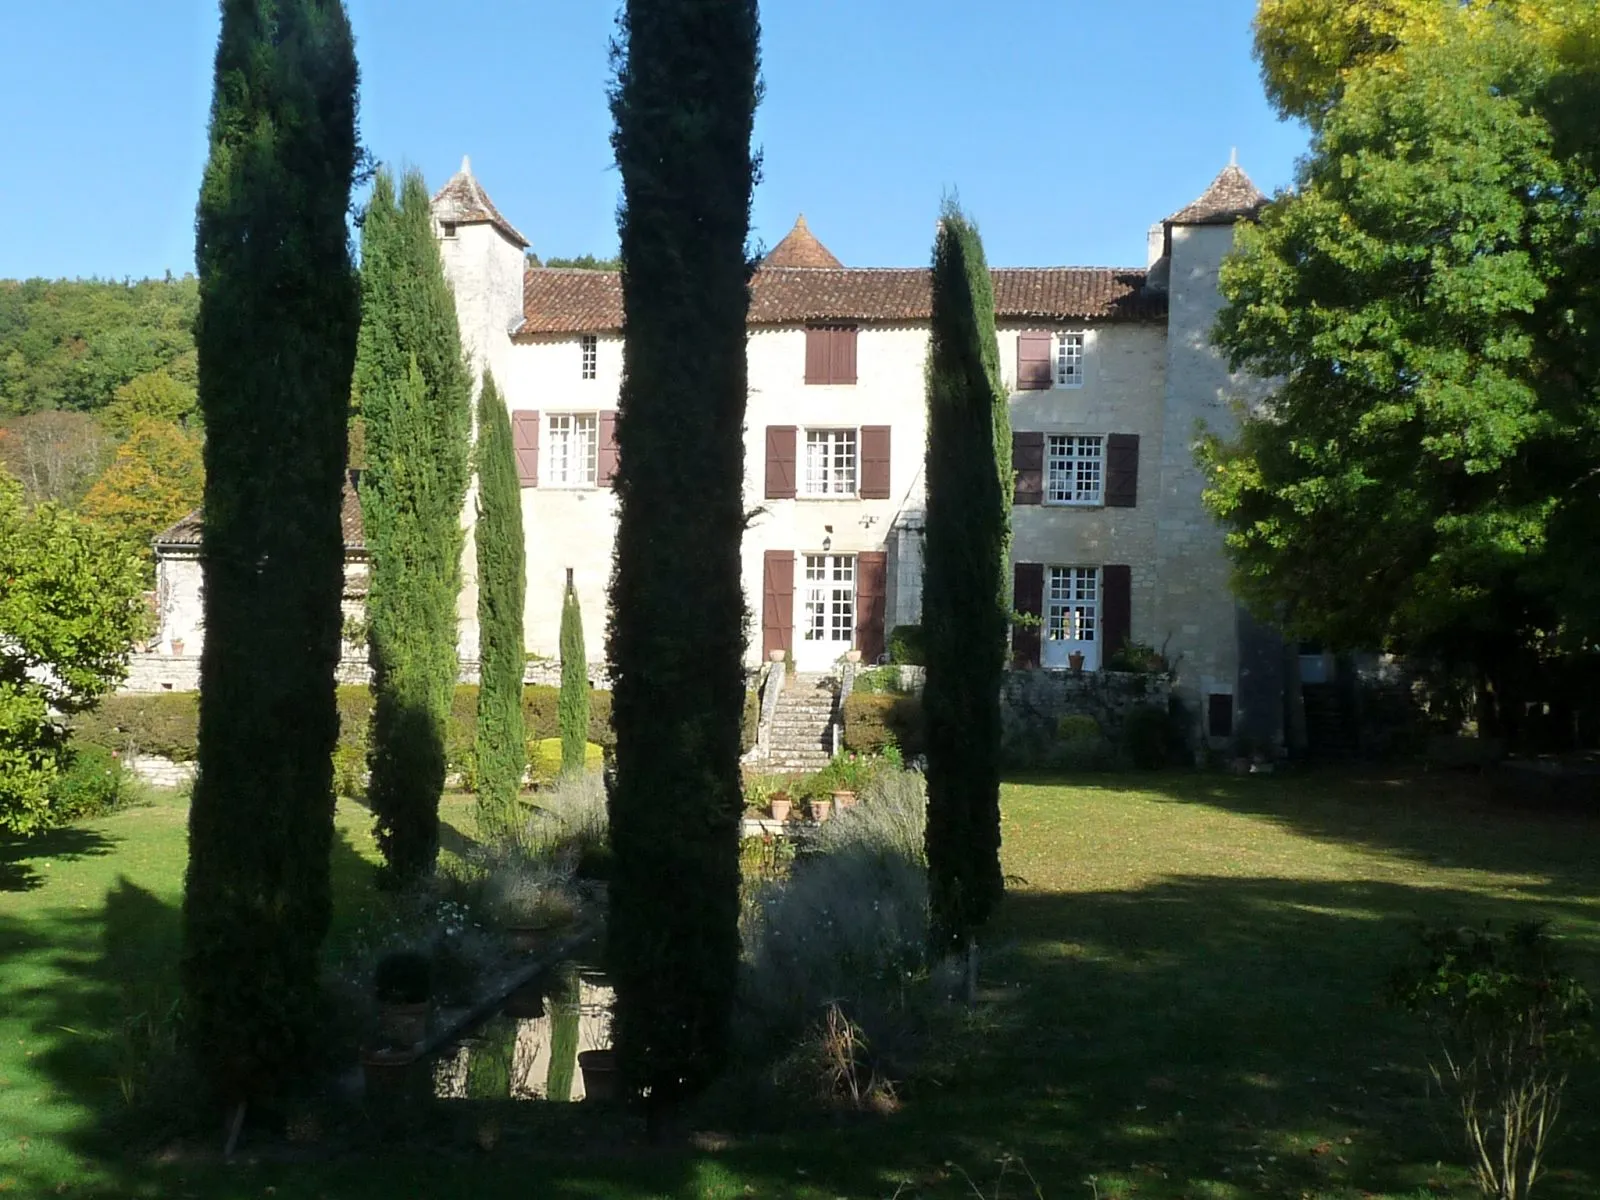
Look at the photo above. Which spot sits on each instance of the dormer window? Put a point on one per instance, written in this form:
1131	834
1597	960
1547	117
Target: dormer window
589	348
449	228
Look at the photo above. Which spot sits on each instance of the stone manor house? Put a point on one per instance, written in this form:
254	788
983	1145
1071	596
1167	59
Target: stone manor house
1111	374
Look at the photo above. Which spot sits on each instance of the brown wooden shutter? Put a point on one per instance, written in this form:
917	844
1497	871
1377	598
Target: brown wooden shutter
1027	590
872	578
874	462
819	354
780	462
525	438
1122	470
842	360
1027	460
777	601
1035	371
607	466
1116	610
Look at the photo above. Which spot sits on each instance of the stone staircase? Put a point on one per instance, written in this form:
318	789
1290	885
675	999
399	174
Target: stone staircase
802	725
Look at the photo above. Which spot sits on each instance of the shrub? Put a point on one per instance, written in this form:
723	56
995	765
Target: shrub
873	723
750	726
880	681
1147	738
1080	743
91	783
165	724
1510	1025
349	772
570	822
544	760
905	646
1138	658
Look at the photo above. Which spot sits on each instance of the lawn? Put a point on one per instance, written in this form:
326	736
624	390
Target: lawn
1183	1000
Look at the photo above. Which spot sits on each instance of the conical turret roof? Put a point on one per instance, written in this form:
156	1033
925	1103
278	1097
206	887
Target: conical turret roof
800	248
462	201
1231	197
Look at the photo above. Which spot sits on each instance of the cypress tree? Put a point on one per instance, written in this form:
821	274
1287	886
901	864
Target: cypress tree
415	395
276	336
684	102
965	598
502	588
573	705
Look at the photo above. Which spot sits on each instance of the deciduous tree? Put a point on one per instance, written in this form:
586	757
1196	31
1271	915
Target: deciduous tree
156	477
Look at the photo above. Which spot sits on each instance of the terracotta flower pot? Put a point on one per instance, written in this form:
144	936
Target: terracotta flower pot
775	655
780	809
821	810
177	647
602	1082
1075	661
843	799
385	1071
852	656
403	1024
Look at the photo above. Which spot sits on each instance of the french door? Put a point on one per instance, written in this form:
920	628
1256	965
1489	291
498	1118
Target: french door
828	611
1072	616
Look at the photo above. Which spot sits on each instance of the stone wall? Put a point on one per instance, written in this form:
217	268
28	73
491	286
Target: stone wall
159	772
181	673
1032	704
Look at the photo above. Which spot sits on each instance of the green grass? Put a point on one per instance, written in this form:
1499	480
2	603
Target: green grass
1183	1003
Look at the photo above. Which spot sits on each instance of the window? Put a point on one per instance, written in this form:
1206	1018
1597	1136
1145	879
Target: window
449	228
573	458
1075	467
831	354
1072	604
830	462
589	345
1069	360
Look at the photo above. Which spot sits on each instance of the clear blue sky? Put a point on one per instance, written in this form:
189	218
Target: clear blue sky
1067	126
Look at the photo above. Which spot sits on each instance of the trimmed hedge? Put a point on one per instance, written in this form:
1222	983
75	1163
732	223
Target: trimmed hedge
872	722
166	724
906	646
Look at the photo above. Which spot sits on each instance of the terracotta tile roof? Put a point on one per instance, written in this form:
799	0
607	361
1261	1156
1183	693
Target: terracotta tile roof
462	201
1231	197
800	248
186	530
565	301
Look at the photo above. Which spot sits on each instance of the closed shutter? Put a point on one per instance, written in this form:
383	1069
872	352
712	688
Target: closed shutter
607	466
1122	470
819	353
780	462
843	355
1034	369
1116	609
874	462
777	601
1027	460
1027	588
525	438
872	575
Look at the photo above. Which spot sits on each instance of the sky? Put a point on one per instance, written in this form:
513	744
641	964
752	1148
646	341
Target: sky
1065	127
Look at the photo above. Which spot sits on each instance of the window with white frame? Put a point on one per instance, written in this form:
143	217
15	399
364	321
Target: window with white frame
830	462
573	455
1072	604
1074	469
589	346
1069	360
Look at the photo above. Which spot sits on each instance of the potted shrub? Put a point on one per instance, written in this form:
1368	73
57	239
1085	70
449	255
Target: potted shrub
527	903
852	656
843	798
1075	661
780	804
402	984
601	1080
775	655
821	809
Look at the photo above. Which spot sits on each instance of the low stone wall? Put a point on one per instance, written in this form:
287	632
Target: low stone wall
148	673
1032	704
159	772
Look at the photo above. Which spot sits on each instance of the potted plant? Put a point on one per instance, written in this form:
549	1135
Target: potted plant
527	904
775	655
385	1069
821	809
601	1080
852	656
780	805
843	798
1075	661
402	984
177	647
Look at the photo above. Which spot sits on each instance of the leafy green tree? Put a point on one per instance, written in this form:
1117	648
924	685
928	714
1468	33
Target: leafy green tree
1422	479
684	102
279	311
965	597
415	395
69	613
574	702
155	395
502	588
156	477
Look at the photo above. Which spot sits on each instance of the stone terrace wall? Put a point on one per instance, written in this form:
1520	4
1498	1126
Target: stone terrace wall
1032	704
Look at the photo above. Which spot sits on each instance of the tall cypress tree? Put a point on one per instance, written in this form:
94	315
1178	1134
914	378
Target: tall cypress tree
415	394
502	589
684	102
573	705
276	335
964	597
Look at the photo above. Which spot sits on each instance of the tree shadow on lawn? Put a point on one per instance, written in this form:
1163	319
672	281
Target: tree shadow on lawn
1441	819
67	844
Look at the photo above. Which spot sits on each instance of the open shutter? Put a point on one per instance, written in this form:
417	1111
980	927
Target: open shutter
525	438
874	462
1122	470
872	576
1027	589
1027	460
819	354
777	601
607	466
843	357
1116	609
780	462
1033	362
